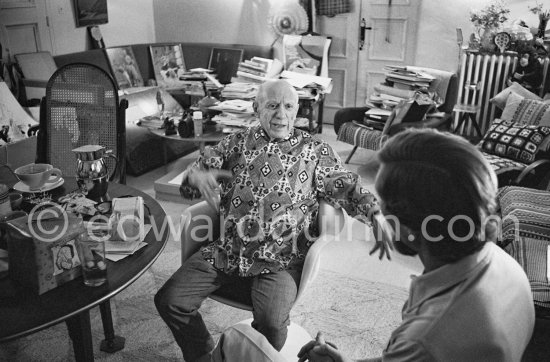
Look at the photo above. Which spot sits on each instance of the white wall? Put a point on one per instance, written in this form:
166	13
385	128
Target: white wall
130	22
437	42
214	21
245	22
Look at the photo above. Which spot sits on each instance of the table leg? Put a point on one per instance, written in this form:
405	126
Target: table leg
111	343
80	331
165	155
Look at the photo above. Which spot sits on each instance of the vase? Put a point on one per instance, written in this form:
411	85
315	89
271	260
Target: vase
542	27
487	40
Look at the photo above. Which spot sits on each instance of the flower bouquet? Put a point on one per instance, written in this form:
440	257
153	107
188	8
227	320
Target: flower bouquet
487	21
544	15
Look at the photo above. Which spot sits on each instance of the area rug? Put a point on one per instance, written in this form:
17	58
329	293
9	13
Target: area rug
355	314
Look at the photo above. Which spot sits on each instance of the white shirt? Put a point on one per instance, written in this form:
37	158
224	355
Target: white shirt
479	308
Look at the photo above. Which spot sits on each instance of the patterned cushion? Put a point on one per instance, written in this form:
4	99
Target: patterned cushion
526	111
531	207
526	234
514	141
531	255
501	164
360	135
500	99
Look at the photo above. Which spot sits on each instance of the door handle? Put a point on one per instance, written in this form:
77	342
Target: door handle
362	29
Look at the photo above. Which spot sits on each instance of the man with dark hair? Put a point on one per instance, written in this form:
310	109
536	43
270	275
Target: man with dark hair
473	301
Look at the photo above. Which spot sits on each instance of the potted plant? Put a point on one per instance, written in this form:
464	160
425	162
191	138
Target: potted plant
544	15
488	20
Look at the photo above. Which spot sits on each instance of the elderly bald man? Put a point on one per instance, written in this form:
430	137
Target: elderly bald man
275	176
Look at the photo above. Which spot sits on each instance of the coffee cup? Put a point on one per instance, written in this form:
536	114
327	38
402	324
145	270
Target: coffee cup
36	175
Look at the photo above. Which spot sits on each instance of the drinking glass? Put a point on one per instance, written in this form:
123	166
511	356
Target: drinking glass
91	250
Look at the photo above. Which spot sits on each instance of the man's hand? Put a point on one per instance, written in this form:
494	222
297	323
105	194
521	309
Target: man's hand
208	184
518	76
383	235
319	350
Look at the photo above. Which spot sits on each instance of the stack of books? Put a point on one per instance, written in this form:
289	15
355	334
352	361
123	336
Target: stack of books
240	90
257	70
376	118
199	81
401	78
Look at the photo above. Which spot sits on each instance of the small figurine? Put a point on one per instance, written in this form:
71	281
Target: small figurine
169	127
185	125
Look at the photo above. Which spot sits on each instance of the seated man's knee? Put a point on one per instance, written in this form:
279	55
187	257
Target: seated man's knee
167	302
274	330
163	301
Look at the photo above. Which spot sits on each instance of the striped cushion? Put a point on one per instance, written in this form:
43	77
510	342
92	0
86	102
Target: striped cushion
526	111
361	136
526	234
531	209
531	255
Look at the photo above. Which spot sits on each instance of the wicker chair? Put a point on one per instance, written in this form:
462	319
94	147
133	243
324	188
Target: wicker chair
81	107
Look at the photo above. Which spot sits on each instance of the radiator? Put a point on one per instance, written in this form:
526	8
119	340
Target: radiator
491	72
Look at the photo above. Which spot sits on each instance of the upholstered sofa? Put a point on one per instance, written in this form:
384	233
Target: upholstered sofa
144	151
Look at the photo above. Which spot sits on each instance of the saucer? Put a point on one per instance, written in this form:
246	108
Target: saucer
20	186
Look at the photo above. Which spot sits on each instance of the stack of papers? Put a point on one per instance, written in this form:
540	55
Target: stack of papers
237	106
300	80
116	250
153	122
240	90
403	78
236	114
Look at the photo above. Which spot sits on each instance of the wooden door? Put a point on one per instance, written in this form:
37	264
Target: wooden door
391	41
344	31
24	27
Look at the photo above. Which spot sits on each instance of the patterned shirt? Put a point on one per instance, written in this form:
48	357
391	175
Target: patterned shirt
270	205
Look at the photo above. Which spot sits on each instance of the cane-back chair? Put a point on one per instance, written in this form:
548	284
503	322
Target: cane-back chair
81	107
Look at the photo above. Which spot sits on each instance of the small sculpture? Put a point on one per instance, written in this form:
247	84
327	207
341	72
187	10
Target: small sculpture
169	127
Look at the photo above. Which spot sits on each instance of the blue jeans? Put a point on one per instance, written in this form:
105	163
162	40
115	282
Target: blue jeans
179	299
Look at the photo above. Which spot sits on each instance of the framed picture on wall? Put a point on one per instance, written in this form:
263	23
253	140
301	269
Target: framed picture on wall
224	62
168	64
90	12
124	67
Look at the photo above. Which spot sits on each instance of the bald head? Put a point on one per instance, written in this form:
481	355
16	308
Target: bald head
277	105
278	85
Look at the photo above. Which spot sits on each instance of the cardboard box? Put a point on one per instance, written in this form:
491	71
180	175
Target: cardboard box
40	259
18	153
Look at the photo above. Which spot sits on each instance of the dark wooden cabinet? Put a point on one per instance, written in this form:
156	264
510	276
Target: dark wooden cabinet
312	110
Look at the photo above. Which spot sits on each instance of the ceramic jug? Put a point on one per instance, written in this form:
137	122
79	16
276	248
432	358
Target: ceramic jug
92	174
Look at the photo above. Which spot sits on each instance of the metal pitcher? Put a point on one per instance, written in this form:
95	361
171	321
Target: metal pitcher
92	174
